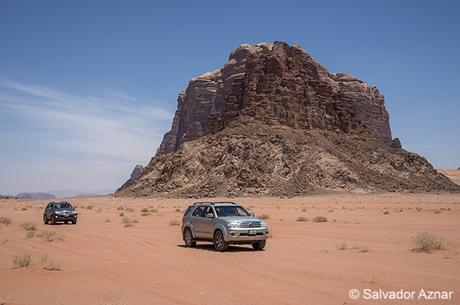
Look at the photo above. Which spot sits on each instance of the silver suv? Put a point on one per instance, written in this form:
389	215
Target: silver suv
223	223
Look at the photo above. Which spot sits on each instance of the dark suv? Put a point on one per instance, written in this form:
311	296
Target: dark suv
59	211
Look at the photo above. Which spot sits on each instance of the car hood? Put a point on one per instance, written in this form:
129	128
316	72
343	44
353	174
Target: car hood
240	218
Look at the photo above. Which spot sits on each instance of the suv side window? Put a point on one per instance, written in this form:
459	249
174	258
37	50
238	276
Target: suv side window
199	212
208	210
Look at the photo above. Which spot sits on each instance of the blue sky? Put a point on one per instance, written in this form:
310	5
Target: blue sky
87	88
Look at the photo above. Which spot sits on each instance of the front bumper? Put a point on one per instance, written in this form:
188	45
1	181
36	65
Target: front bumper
246	235
64	217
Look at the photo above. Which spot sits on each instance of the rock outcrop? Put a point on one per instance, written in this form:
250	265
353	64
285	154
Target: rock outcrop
135	174
273	121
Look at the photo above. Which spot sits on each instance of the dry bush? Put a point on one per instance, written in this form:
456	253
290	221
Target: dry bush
5	220
145	210
427	242
51	235
177	210
120	208
29	226
128	222
153	210
320	219
301	219
30	234
51	266
3	300
121	214
146	214
107	220
89	207
129	210
111	300
386	212
21	261
174	223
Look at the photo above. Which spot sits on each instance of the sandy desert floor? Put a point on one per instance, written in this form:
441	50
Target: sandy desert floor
366	243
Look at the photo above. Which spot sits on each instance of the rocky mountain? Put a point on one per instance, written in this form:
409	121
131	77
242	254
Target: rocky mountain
35	196
7	197
273	121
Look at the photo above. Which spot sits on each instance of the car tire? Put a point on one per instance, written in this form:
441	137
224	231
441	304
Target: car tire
74	222
188	238
53	220
45	220
259	245
219	242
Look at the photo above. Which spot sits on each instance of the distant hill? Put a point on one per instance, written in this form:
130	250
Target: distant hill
35	196
452	174
7	197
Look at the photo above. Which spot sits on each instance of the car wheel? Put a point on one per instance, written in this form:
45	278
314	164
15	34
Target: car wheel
74	221
259	245
45	219
188	238
53	220
219	242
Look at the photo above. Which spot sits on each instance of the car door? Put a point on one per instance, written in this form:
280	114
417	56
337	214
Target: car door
208	222
49	211
197	221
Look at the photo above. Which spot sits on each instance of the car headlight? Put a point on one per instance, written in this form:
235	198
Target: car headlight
58	212
233	224
263	223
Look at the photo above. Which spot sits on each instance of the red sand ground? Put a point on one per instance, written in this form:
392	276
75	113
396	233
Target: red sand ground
102	261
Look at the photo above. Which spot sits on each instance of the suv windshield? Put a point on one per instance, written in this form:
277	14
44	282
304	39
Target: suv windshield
229	211
62	205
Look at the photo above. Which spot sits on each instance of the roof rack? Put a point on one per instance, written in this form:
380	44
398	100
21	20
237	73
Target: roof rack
213	202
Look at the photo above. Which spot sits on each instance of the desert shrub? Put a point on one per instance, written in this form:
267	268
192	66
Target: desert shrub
107	220
146	214
129	210
120	208
111	300
304	209
427	242
342	246
5	220
174	223
320	219
3	300
145	210
264	216
153	210
121	214
89	207
24	209
301	219
21	261
51	235
128	222
29	226
177	210
51	266
386	212
30	234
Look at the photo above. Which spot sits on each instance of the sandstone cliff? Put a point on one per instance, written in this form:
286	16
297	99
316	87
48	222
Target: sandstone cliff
274	121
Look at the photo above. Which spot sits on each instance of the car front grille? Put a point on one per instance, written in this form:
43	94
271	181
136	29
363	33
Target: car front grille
250	224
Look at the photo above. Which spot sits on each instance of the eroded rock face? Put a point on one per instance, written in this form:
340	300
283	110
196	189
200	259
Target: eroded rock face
273	121
278	84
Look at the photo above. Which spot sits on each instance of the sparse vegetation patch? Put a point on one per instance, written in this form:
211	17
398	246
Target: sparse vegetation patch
428	242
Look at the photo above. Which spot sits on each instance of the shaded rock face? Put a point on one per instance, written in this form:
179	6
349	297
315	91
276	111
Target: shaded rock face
278	84
273	121
135	174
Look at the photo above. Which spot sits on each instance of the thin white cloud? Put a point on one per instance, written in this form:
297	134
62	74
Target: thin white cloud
116	128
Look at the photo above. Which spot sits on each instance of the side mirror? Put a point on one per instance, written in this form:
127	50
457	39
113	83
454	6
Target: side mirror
252	214
209	215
